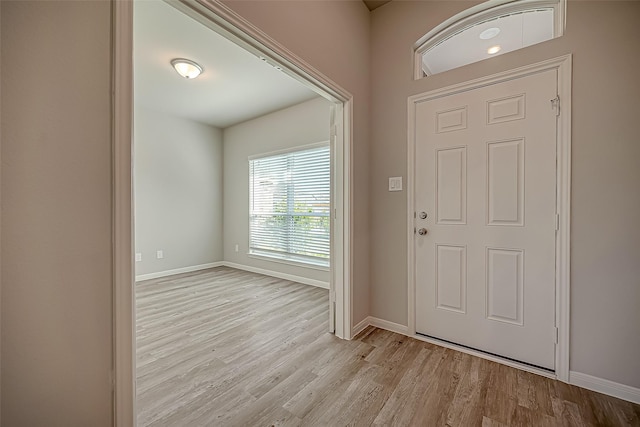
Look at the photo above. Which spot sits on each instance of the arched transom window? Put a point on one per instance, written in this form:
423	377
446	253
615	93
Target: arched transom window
488	29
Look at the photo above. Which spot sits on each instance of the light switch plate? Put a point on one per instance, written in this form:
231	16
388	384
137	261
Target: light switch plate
395	183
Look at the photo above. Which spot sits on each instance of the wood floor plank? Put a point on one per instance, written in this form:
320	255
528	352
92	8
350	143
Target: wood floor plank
224	347
400	405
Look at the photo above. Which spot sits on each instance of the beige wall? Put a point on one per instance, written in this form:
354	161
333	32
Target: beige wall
332	36
56	183
178	192
302	124
56	190
605	267
56	218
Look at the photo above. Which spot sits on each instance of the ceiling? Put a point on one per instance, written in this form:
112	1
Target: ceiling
235	86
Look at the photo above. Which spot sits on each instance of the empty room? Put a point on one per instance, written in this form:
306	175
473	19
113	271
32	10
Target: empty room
322	213
232	194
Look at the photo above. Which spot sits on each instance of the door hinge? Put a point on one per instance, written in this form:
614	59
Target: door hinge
557	222
335	214
555	104
332	296
555	335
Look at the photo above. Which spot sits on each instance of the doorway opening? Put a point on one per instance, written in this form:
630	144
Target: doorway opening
222	20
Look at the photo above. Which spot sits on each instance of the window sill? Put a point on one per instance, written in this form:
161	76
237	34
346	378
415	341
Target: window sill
287	261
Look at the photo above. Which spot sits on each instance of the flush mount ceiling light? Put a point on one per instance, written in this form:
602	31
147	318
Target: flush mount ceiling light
489	33
186	68
493	49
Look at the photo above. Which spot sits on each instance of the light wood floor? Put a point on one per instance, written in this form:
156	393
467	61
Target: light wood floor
225	347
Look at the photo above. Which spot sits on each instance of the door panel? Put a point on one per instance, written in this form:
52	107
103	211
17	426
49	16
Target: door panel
486	176
451	185
505	285
505	182
451	278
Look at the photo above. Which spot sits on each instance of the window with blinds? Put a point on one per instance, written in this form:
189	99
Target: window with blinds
289	205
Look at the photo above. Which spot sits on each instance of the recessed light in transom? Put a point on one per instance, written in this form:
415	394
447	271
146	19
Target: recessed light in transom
489	33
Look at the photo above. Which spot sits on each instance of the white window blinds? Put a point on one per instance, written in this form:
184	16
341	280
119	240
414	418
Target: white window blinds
289	205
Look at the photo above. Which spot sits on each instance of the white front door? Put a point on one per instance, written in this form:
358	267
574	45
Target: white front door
485	176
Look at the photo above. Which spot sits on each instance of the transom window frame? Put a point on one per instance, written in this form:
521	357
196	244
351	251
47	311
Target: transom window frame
297	260
480	13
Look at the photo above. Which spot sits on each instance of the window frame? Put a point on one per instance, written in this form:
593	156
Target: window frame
480	13
316	263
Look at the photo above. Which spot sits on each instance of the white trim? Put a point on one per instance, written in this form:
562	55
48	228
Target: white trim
379	323
563	206
175	271
411	230
482	12
360	326
600	385
293	262
342	225
123	309
289	150
285	276
563	201
388	326
225	21
271	273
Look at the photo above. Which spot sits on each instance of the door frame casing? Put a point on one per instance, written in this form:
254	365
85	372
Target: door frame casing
563	66
225	21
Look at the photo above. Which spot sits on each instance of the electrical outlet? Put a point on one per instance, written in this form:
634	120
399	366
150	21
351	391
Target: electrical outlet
138	257
237	248
159	254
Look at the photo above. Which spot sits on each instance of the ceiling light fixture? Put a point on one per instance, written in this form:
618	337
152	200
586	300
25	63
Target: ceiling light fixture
489	33
493	49
186	68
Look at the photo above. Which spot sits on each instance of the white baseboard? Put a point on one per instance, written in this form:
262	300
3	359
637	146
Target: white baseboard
293	278
361	326
178	271
621	391
389	326
379	323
